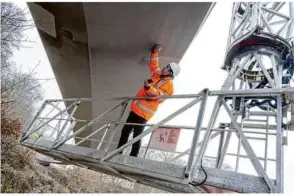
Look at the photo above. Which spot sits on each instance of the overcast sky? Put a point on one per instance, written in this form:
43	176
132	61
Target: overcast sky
200	68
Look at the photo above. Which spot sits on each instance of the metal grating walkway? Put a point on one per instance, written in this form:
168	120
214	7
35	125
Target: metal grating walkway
167	176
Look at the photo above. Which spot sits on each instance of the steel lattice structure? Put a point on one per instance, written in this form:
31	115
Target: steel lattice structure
260	55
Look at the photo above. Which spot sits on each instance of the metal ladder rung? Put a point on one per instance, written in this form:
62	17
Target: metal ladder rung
255	138
254	120
244	156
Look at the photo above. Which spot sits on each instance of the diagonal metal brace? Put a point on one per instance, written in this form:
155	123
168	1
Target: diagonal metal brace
254	160
152	128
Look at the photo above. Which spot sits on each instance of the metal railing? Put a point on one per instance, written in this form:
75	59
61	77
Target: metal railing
64	128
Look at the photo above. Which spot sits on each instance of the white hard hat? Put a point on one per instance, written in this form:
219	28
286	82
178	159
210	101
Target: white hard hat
175	68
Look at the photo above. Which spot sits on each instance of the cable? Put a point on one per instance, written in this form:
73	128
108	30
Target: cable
203	181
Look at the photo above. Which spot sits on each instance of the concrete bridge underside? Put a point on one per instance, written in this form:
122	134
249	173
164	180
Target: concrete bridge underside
102	49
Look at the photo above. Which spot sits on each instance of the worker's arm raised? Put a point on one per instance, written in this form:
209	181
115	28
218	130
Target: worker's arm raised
154	62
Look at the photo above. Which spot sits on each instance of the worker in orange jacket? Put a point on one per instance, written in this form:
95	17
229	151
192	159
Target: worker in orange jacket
161	83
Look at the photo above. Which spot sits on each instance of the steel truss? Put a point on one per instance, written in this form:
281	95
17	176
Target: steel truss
260	55
256	95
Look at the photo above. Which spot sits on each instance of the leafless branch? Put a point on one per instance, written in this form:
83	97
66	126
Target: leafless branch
23	79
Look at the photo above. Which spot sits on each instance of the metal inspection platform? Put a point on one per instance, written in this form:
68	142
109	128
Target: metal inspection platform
257	97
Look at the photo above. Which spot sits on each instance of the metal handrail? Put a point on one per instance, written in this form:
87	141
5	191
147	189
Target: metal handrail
226	93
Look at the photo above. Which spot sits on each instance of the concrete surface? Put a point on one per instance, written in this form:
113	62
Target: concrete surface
101	49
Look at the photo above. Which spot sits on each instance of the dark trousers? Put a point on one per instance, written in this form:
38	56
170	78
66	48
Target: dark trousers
125	133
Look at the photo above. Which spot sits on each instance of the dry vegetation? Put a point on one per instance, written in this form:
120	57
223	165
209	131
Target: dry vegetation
22	173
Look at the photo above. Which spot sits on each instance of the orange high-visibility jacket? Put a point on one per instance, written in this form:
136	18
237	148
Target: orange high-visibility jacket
159	86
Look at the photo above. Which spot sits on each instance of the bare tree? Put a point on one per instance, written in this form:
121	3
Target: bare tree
19	91
13	23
